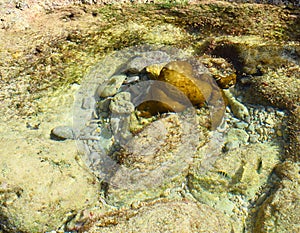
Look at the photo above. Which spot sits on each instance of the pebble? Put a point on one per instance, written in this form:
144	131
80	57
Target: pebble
132	79
238	109
231	145
251	127
63	133
253	138
241	125
112	86
240	135
279	133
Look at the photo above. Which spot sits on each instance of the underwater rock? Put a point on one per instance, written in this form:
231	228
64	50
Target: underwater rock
238	109
221	70
153	71
63	133
88	103
121	104
182	88
111	87
180	74
242	171
165	216
103	107
121	108
280	212
237	136
138	63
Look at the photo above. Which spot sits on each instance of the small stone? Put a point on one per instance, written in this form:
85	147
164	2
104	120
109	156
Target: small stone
103	106
132	79
112	86
62	133
138	63
270	109
238	109
253	138
237	135
280	113
279	133
251	127
88	103
231	145
241	125
121	104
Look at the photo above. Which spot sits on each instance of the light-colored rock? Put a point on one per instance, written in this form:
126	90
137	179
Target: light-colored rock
241	171
121	104
88	103
63	133
39	190
111	87
238	109
138	63
176	216
237	135
281	210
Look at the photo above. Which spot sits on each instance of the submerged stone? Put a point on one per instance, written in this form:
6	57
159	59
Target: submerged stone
111	87
121	104
222	71
180	74
166	216
280	212
63	133
182	87
238	109
138	63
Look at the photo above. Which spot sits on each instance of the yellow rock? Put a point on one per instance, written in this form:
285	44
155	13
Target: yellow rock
181	86
222	71
153	71
180	75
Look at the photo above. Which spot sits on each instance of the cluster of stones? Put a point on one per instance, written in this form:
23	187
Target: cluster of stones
118	108
142	149
246	123
118	111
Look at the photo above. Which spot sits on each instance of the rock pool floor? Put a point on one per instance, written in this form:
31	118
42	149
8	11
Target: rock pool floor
42	65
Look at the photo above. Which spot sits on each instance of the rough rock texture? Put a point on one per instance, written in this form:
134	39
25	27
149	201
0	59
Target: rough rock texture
40	177
222	71
179	216
216	180
281	210
155	160
42	61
